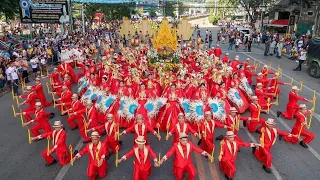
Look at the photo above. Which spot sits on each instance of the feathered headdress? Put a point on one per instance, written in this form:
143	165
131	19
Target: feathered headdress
153	106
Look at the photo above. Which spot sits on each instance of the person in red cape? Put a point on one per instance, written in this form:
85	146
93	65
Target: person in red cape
58	137
261	79
96	151
255	115
267	138
75	106
217	51
168	117
183	157
65	82
142	95
248	73
140	129
292	106
40	119
299	128
141	152
222	94
207	129
228	154
181	127
111	130
265	71
235	64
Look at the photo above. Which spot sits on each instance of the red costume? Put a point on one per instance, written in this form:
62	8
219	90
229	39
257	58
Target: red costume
207	129
64	69
59	147
96	154
31	100
228	154
263	153
180	128
255	110
300	130
142	166
39	91
75	107
182	161
292	106
42	122
140	130
111	140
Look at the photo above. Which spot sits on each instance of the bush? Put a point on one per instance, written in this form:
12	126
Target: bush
213	19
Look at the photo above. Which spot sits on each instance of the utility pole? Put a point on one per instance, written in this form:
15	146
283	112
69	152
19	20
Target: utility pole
262	11
70	15
82	18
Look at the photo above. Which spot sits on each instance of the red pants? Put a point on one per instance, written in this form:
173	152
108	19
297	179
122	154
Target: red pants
309	136
139	174
207	144
71	120
93	169
252	125
28	110
290	111
82	130
63	157
43	101
112	144
228	167
178	172
264	155
35	129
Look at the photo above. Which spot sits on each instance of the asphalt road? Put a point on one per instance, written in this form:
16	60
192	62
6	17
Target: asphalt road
21	160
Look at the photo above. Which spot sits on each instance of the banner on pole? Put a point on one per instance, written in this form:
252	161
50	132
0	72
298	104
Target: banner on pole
44	11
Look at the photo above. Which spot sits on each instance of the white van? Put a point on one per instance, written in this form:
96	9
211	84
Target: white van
245	31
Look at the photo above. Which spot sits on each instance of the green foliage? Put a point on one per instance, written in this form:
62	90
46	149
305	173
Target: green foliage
9	9
111	12
213	19
152	12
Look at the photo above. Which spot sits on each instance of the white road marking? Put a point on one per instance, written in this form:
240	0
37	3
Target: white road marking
274	170
65	168
314	152
306	87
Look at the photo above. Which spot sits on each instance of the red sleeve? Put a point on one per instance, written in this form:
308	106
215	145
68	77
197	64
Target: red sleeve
130	153
281	83
84	150
40	116
150	129
44	135
244	144
282	133
196	148
130	129
171	151
172	130
98	128
30	112
218	124
301	98
244	118
191	130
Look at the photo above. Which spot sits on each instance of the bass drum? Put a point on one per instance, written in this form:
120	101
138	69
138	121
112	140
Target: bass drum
235	98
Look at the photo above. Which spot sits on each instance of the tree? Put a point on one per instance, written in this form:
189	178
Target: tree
152	12
10	9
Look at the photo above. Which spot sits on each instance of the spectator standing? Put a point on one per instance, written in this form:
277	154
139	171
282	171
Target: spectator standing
34	65
12	77
302	59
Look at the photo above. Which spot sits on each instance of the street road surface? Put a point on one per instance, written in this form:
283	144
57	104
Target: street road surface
21	160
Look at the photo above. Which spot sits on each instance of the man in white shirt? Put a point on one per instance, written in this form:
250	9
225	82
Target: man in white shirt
34	65
12	77
302	59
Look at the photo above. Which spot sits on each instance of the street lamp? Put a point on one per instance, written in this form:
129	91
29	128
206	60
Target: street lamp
262	11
